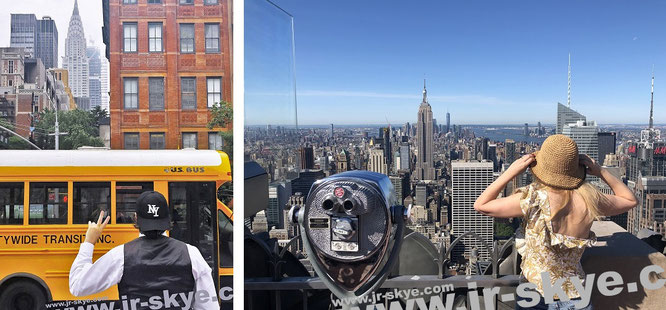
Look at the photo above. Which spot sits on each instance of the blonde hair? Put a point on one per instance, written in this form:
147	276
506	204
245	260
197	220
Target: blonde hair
590	194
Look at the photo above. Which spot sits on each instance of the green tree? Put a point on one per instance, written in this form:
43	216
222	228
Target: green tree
79	125
222	115
98	114
16	143
13	142
503	230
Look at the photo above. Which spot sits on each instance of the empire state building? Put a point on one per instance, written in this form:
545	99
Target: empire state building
425	169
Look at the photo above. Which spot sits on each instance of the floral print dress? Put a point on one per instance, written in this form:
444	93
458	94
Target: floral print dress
542	249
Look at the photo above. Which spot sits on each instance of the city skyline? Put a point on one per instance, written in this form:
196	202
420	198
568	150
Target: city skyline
60	11
498	66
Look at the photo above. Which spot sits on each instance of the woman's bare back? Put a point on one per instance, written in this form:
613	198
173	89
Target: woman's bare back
572	219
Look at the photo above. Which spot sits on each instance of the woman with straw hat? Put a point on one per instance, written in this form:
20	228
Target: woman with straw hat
558	209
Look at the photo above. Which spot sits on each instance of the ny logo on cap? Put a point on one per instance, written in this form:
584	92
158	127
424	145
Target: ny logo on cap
153	209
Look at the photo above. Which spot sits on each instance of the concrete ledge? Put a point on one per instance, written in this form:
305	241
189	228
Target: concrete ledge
619	251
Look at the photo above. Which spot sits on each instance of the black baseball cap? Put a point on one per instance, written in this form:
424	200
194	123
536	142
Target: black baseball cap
152	212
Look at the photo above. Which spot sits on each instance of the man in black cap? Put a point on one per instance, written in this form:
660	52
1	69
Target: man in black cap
152	271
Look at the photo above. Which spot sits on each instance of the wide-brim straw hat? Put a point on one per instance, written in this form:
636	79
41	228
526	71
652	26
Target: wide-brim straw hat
557	163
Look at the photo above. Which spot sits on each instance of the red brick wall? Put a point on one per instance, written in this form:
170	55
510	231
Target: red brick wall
170	65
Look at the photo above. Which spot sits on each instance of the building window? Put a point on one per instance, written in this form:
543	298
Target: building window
129	37
131	91
157	141
215	141
212	38
155	37
188	96
186	2
154	1
189	140
11	66
214	87
156	94
187	38
210	2
129	1
131	141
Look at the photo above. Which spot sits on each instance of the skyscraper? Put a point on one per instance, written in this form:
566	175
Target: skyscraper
46	46
401	186
646	170
386	144
647	157
468	181
607	141
278	195
39	37
651	210
24	33
566	115
421	197
377	161
304	182
448	121
526	130
76	60
405	157
492	155
94	76
307	158
424	137
585	134
484	148
104	81
509	151
342	161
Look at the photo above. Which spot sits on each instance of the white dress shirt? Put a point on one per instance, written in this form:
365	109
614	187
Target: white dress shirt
86	278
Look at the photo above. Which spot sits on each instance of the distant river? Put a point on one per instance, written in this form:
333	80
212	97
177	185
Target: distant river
501	133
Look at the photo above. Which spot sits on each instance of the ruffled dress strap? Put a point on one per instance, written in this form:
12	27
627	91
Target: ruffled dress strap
550	237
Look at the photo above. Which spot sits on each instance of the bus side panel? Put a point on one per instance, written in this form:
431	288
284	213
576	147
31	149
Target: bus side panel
48	252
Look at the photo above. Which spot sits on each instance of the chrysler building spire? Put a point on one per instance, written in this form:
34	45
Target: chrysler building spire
76	60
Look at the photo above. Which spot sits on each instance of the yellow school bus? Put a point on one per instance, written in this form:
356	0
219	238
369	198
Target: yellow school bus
48	197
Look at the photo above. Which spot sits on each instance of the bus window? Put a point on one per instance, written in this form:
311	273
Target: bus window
192	205
225	240
89	200
178	206
226	193
126	195
48	203
11	203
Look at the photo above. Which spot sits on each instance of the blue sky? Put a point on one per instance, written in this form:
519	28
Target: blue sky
487	62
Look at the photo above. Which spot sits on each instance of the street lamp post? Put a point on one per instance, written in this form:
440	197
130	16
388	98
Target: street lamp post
57	132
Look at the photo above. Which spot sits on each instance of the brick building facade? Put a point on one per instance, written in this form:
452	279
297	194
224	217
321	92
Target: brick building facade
170	60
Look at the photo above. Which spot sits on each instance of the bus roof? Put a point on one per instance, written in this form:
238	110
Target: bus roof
109	158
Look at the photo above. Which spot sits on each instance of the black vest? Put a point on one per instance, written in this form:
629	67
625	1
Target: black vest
154	265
